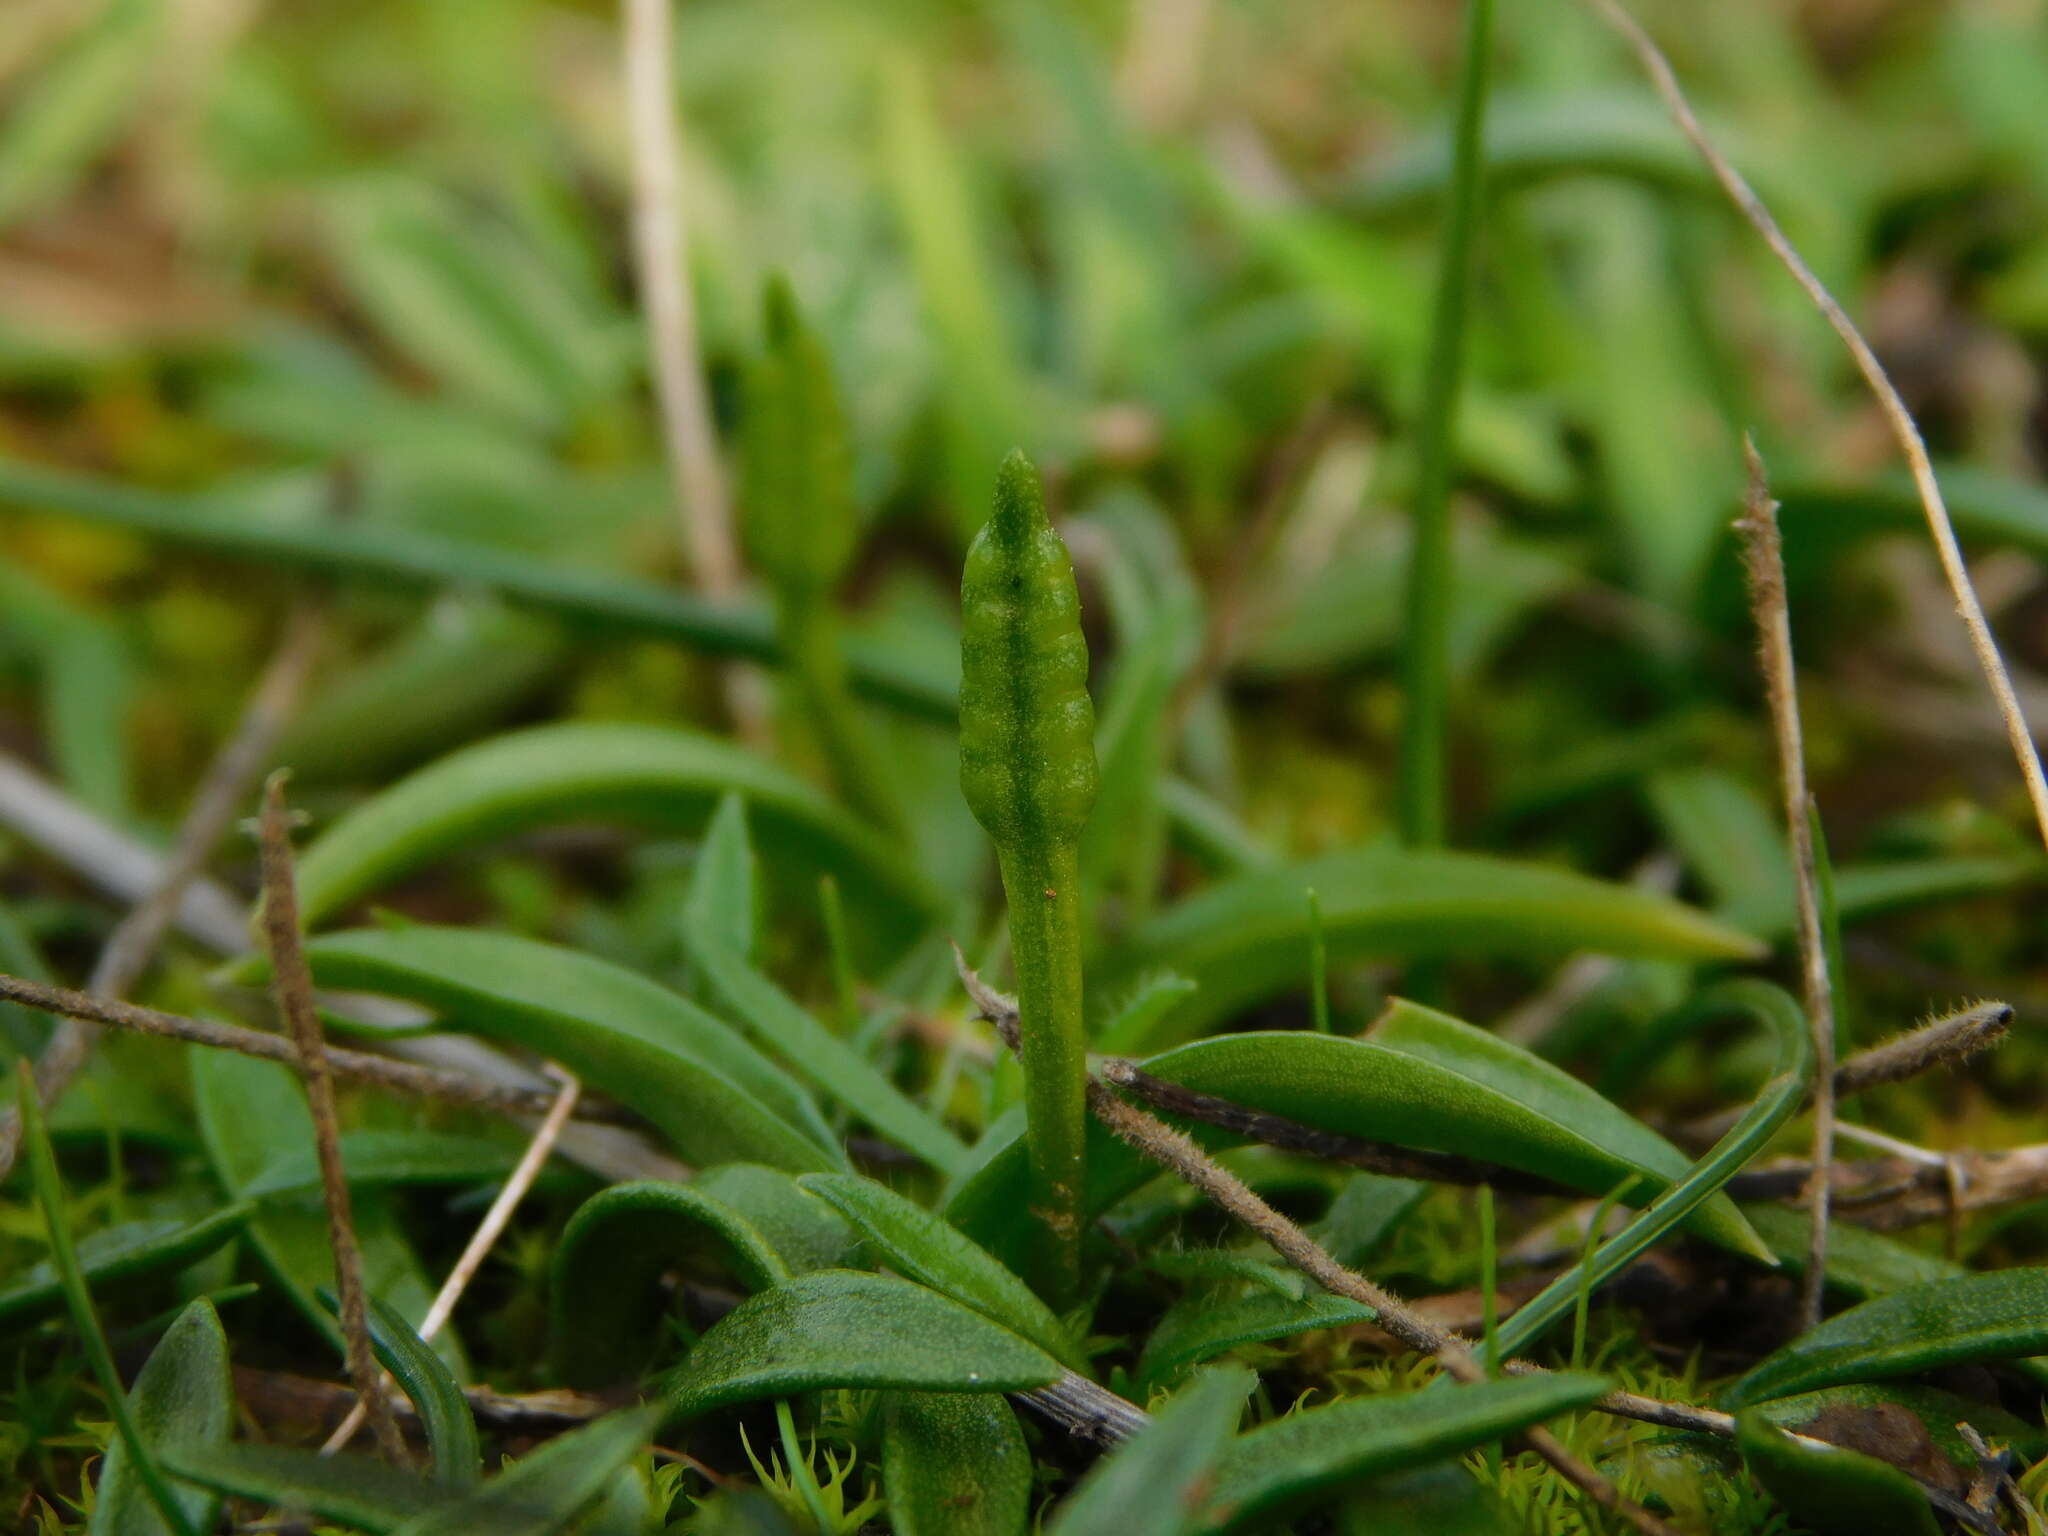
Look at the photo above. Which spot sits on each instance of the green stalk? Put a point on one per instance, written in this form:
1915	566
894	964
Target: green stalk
1426	648
49	1188
1028	771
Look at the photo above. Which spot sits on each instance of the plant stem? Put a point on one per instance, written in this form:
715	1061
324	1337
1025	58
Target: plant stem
1426	647
1043	886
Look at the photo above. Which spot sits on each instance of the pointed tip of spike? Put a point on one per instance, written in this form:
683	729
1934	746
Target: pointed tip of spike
1020	499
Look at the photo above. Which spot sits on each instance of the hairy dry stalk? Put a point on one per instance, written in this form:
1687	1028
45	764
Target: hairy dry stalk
293	987
353	1066
133	943
1896	416
1764	568
486	1236
1176	1151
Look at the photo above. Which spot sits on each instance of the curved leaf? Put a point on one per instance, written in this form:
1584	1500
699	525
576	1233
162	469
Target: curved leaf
1939	1413
954	1464
835	1066
1154	1484
842	1328
646	776
435	1394
1549	1091
1831	1489
1247	938
541	1492
182	1398
1861	1263
606	1296
134	1250
1296	1460
713	1095
1202	1326
1980	1317
928	1249
1364	1088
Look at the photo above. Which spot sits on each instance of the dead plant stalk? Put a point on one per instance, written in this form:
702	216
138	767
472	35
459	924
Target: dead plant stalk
293	987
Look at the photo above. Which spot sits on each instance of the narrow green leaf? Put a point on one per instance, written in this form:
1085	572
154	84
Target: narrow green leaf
1861	1263
829	1062
841	1328
48	1184
722	898
436	1395
1247	938
926	1248
1830	1489
133	1250
384	556
1155	1485
1555	1094
1133	1025
183	1397
1939	1412
391	1157
1426	626
1366	1209
954	1464
713	1095
544	1490
355	1491
1980	1317
1293	1462
659	777
1776	1102
1201	1326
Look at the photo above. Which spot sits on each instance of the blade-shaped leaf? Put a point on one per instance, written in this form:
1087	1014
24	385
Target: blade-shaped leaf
436	1395
1247	938
714	1096
391	1157
1154	1485
832	1064
645	776
355	1491
1203	1326
1547	1090
1830	1489
721	898
133	1250
841	1328
1363	1088
1994	1316
954	1464
930	1250
182	1398
544	1490
1294	1461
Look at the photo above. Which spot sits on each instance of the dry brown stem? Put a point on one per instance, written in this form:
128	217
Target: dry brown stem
481	1241
1896	416
292	983
1764	567
133	943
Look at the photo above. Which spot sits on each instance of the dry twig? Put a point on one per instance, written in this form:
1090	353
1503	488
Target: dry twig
292	981
1896	416
133	943
1764	568
524	1172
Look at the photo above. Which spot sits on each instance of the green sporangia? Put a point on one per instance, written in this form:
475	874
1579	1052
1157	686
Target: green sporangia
1027	768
